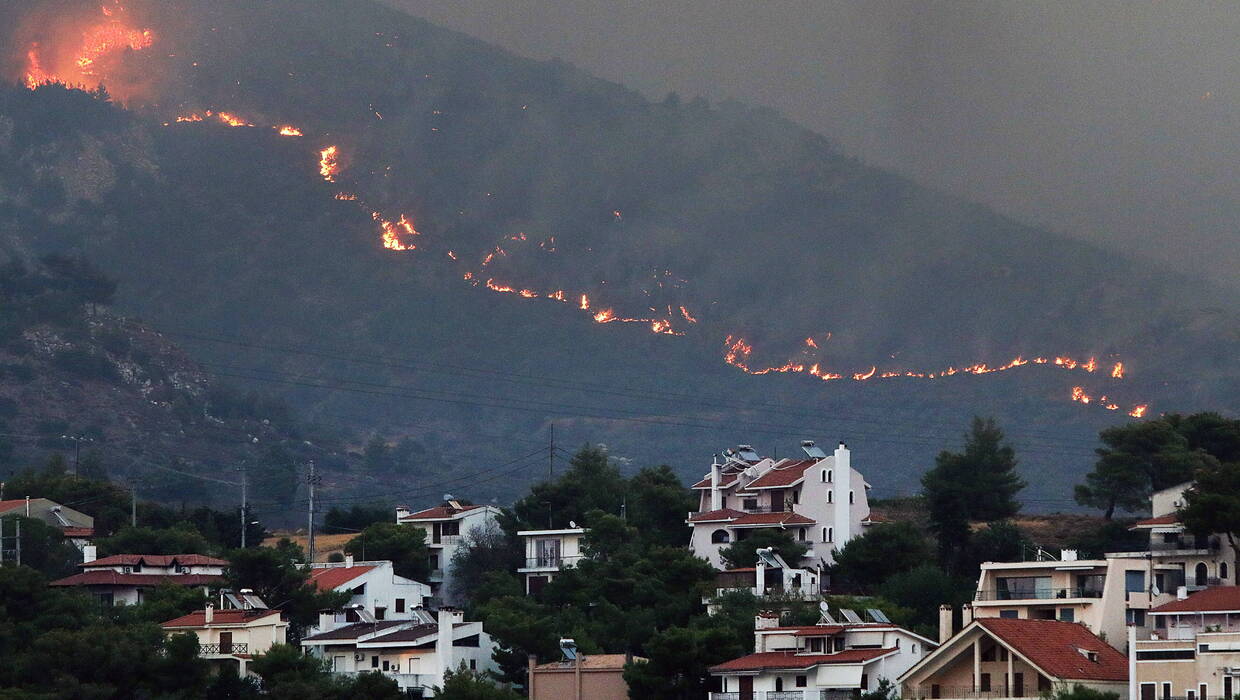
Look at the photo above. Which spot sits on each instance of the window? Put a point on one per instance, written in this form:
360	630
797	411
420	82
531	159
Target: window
852	497
1134	581
750	504
796	496
830	497
400	605
802	681
1165	655
387	665
1200	574
914	648
1009	614
1067	615
433	562
837	644
1135	617
865	681
720	537
374	662
1023	587
779	684
830	534
816	644
380	613
984	682
1166	691
547	551
988	653
801	534
824	476
829	479
1222	570
452	527
473	664
826	535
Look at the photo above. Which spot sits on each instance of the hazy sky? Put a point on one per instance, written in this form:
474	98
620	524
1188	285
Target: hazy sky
1117	122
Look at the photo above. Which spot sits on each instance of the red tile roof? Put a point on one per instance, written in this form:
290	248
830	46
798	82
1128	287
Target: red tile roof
198	618
1053	646
78	531
6	506
1217	599
876	518
725	480
716	515
357	629
791	660
1168	519
786	518
108	577
330	578
437	513
784	474
596	662
155	560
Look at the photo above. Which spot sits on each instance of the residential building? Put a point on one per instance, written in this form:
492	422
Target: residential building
1200	561
125	579
231	637
415	653
821	500
1104	595
1016	658
547	552
78	527
819	662
444	526
771	580
1194	649
375	589
585	677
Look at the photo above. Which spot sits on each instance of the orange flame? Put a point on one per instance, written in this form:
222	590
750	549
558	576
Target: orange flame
585	303
1138	411
288	130
688	317
346	196
82	68
1117	372
392	231
328	166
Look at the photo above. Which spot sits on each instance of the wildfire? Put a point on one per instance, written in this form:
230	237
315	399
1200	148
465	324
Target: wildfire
287	130
1078	394
346	196
1138	411
1117	372
810	342
84	65
688	317
328	167
391	232
584	305
232	119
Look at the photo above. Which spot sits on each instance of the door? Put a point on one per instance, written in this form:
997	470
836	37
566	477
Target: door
1147	691
225	642
746	687
338	666
1018	685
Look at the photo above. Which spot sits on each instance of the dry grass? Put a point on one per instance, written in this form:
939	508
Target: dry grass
324	545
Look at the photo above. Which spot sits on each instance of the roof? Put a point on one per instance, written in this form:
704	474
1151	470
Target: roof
108	577
6	506
725	480
592	662
720	515
438	513
1216	599
356	630
78	531
1168	519
220	618
783	474
412	634
155	560
331	578
876	518
785	518
1054	647
792	660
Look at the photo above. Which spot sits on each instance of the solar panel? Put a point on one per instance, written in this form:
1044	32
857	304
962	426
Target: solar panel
767	558
813	451
569	648
878	615
849	615
747	453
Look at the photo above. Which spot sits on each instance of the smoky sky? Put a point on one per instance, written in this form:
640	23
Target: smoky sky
1114	122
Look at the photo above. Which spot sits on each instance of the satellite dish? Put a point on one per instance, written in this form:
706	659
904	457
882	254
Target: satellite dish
447	497
572	524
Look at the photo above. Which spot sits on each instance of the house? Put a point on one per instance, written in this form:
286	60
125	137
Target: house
233	636
547	552
1194	650
771	579
1016	658
818	662
415	653
1104	595
821	500
78	527
375	587
584	677
125	579
1200	560
444	526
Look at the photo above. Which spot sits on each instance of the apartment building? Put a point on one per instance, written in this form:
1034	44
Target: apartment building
1016	658
375	589
125	579
1194	649
444	526
233	636
827	661
1200	561
820	499
547	552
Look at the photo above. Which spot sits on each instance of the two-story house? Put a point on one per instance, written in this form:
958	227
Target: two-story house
828	661
821	500
1201	560
1193	650
1016	658
234	636
415	653
125	579
374	587
444	526
549	551
771	580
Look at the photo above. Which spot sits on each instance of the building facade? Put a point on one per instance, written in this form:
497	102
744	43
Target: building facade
375	589
78	527
125	579
587	677
1194	649
231	637
547	552
445	525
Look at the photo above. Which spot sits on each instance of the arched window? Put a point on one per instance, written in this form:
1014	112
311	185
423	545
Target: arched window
829	476
824	476
1222	571
720	537
801	534
1201	574
830	497
852	497
825	535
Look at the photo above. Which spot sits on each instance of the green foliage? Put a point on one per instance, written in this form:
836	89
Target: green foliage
1079	692
405	546
275	576
885	690
743	553
922	590
464	684
356	518
181	538
43	547
656	505
679	658
1111	536
998	541
592	482
885	550
483	551
1212	505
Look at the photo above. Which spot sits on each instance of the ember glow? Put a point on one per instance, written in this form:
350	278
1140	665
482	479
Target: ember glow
395	234
328	166
287	130
87	61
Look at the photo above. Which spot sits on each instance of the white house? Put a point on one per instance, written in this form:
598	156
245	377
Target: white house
415	653
444	526
78	527
821	500
771	579
1201	560
548	552
828	660
231	637
124	579
375	588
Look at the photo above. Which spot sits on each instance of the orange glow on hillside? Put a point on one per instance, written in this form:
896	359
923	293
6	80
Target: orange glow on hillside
328	165
87	60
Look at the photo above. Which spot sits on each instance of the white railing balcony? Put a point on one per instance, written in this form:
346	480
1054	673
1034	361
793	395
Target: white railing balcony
725	696
404	680
784	695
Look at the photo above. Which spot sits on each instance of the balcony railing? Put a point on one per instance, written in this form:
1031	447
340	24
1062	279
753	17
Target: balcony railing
967	692
1038	594
223	649
404	680
725	696
785	695
551	562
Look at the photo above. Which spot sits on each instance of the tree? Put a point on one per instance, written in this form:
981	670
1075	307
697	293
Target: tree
743	553
464	684
656	505
1138	459
405	546
182	538
998	541
886	549
483	550
356	518
1080	692
592	482
679	661
274	576
43	547
922	590
1212	504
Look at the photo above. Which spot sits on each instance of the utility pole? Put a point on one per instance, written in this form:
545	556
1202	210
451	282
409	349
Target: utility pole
245	517
312	480
551	456
77	448
133	505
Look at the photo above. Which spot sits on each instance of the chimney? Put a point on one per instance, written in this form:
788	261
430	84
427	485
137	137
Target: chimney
966	615
945	623
1181	592
327	621
443	640
716	498
27	506
348	560
401	511
842	468
764	620
1068	555
88	554
208	614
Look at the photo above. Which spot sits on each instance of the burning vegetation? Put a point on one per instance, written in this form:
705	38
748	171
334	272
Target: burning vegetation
84	51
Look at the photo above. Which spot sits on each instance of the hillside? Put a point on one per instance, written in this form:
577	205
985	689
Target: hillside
535	176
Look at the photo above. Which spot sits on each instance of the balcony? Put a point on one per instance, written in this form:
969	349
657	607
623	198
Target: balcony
1037	594
549	563
444	541
967	692
406	681
209	650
